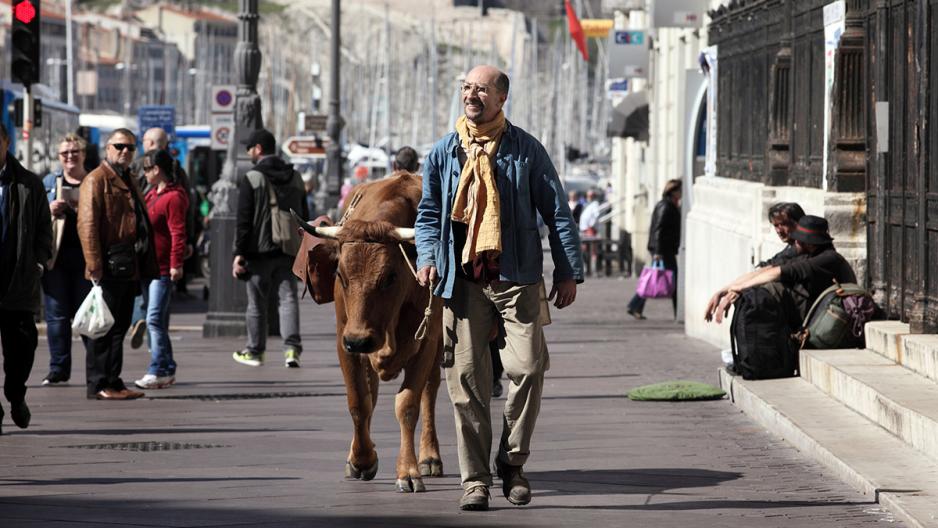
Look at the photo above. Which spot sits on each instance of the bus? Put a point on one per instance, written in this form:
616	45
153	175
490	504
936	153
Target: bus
58	119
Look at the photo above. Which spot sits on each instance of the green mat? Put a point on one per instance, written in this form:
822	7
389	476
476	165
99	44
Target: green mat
676	391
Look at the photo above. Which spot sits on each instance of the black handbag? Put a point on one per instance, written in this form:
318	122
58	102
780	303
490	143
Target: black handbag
121	262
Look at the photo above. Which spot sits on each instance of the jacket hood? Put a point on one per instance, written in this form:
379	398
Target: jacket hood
277	171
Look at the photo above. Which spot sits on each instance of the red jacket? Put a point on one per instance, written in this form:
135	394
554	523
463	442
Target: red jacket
167	212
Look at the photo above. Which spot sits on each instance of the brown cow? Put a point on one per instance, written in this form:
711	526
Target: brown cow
379	307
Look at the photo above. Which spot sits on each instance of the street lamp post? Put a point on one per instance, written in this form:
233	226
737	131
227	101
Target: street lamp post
227	297
327	197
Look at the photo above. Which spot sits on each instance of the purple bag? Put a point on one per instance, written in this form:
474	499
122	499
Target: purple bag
655	282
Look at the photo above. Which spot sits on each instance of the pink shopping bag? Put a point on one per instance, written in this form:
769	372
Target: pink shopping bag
655	282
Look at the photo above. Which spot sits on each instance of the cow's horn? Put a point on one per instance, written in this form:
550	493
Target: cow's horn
404	234
320	232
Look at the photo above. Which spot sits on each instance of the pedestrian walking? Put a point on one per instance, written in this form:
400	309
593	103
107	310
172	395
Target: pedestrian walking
157	139
261	261
589	215
476	230
25	250
167	204
64	285
117	241
664	241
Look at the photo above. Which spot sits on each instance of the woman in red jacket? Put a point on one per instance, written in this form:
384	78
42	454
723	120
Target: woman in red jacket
167	203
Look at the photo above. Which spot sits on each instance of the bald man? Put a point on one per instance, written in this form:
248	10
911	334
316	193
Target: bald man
483	186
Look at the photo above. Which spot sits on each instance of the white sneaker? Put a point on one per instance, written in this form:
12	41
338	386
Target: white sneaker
149	381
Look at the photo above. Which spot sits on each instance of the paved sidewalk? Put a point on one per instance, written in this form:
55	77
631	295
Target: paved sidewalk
231	445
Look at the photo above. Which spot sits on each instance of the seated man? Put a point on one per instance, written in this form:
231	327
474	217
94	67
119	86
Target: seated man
814	272
784	217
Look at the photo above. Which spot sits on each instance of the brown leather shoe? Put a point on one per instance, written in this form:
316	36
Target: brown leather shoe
129	394
108	394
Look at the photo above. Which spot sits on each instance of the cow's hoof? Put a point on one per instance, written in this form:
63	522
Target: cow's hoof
410	485
361	474
430	467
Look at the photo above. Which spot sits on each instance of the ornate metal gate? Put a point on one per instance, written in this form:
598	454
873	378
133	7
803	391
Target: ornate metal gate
902	185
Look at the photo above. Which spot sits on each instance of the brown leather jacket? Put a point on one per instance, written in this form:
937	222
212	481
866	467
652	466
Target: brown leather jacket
106	216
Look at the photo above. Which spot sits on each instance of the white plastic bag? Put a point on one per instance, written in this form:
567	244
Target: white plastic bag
93	318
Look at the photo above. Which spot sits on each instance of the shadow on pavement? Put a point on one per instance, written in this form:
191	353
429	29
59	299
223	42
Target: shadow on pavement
97	481
625	481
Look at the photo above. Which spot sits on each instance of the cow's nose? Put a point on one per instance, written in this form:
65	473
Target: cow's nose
355	345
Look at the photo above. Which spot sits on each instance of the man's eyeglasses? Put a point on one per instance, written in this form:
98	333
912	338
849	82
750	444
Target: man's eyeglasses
69	153
124	146
468	88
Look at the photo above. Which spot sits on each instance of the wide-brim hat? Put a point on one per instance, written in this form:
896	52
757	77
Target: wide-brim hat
812	230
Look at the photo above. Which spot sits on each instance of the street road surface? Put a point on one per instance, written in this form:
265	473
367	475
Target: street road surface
231	445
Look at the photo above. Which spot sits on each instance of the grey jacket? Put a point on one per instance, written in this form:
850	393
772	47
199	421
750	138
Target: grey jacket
33	224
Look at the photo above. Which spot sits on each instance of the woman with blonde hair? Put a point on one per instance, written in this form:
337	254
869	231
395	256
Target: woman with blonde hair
64	285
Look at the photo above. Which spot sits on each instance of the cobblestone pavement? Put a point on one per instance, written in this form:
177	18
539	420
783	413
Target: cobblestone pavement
237	446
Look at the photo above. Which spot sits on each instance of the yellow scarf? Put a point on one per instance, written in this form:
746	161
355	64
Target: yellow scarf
476	203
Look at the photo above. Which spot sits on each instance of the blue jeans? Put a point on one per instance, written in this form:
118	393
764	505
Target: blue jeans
158	294
140	307
64	288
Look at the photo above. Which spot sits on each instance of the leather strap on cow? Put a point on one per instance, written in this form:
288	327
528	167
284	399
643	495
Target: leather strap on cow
428	311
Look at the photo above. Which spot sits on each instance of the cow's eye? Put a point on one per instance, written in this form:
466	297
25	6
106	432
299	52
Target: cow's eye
388	281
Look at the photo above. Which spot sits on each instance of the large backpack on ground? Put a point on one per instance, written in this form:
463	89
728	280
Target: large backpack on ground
764	321
837	317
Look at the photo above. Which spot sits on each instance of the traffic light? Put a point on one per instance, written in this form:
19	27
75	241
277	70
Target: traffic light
24	66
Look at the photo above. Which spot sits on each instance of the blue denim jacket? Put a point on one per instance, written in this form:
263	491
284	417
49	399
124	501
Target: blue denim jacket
527	184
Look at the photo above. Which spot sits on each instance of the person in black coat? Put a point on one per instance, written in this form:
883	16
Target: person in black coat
664	240
25	250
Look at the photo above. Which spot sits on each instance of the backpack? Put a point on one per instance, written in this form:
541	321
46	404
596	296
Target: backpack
283	229
761	333
837	317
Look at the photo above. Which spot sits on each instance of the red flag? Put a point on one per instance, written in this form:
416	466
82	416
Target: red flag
576	31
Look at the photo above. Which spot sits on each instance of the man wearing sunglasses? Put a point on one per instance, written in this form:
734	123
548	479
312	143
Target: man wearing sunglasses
116	240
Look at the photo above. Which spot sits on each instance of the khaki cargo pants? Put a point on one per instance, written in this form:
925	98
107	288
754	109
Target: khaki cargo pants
468	318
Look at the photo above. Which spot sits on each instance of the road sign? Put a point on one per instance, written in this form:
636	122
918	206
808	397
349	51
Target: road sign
315	122
157	116
223	99
304	146
222	131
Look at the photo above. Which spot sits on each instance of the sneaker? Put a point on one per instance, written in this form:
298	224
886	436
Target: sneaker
475	498
515	487
137	332
55	378
291	358
149	381
246	357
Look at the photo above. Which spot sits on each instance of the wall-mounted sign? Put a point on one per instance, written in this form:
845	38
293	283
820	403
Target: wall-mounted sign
596	27
628	54
679	13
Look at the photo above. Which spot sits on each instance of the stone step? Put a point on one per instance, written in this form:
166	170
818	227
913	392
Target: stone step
916	352
895	398
864	455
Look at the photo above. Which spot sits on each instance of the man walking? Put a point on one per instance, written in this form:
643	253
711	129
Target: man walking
476	231
260	260
25	248
117	241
